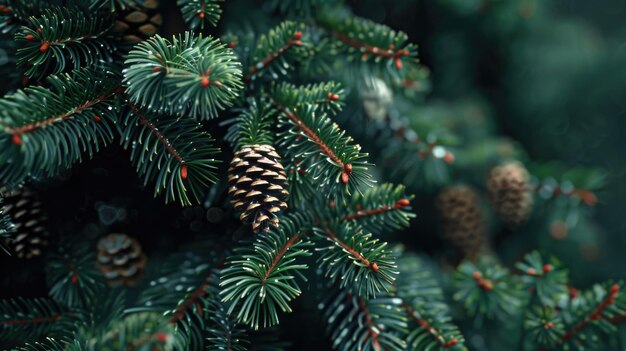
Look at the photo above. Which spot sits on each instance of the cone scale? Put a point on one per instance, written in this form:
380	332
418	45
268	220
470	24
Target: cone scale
257	186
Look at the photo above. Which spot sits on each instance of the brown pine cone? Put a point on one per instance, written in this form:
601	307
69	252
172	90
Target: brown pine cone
139	20
510	193
462	220
120	259
258	184
25	211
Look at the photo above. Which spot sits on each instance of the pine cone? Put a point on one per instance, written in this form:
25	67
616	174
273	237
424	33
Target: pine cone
510	193
463	221
257	182
120	259
138	21
25	211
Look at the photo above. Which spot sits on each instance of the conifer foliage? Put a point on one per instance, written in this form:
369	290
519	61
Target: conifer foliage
264	126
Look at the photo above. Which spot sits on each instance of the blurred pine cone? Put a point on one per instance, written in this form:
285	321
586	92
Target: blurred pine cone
258	185
510	193
120	259
29	235
138	20
462	219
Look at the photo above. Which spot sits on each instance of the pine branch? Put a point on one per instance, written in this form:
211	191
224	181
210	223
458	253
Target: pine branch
62	36
359	263
190	76
224	332
545	326
44	130
135	332
547	280
182	294
27	320
355	324
277	52
376	52
259	279
437	334
423	301
200	13
302	185
328	97
325	149
487	290
51	344
175	153
322	148
606	308
192	315
72	275
252	127
191	300
381	208
373	48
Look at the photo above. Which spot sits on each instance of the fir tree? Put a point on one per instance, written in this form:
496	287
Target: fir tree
292	162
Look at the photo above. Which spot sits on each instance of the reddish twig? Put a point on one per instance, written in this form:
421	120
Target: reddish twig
375	51
593	316
190	301
372	329
163	139
332	236
294	239
375	211
17	132
547	268
205	78
483	283
36	320
347	167
434	332
267	60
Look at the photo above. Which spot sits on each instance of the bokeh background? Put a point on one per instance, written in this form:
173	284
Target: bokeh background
550	75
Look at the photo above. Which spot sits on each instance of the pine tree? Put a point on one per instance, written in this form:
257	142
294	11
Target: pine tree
293	163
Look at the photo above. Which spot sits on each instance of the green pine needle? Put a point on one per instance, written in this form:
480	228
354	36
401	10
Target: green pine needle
63	38
174	153
200	13
46	130
190	75
356	261
253	126
259	279
355	324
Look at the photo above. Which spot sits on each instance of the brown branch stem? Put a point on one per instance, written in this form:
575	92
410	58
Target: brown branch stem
294	239
62	117
267	60
332	236
434	332
154	131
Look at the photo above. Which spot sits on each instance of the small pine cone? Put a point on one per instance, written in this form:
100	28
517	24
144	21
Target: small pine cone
463	220
510	193
120	259
139	20
258	184
25	211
